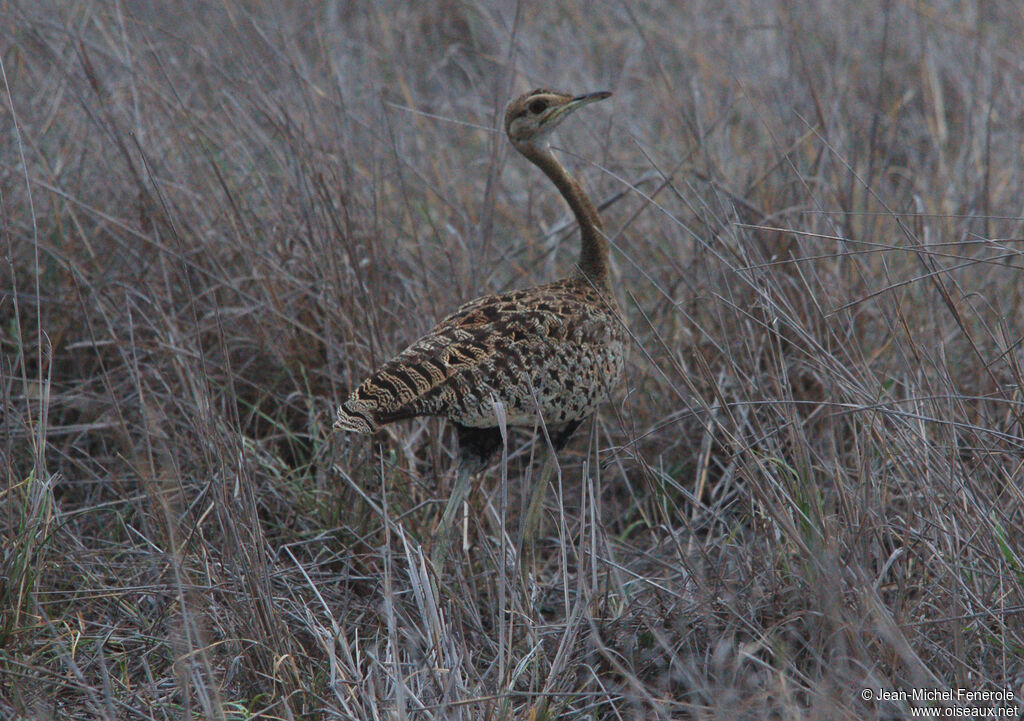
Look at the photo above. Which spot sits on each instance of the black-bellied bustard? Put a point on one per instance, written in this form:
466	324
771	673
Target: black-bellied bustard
556	348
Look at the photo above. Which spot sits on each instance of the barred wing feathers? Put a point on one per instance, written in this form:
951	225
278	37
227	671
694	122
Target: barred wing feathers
557	347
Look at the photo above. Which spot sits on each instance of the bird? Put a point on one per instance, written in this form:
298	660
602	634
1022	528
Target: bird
556	349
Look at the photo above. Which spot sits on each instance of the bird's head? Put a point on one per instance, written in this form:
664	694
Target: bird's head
531	117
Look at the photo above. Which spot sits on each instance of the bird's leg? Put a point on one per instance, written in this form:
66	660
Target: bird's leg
445	527
531	522
476	447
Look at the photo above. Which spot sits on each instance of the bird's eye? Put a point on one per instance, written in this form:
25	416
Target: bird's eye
538	106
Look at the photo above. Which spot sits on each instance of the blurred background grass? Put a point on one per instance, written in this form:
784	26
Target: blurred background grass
215	219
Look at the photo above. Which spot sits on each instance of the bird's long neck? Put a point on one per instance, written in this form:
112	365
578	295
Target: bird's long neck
593	262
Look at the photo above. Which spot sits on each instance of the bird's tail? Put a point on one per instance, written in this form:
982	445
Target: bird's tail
351	419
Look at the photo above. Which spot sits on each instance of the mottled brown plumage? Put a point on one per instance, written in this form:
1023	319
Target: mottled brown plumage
556	348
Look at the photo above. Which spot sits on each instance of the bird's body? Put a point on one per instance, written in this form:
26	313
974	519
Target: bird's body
554	350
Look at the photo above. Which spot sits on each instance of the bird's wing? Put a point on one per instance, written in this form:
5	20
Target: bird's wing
482	348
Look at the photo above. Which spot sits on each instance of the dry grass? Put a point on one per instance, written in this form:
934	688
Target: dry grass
214	223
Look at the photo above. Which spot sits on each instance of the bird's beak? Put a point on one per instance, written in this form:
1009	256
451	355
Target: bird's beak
576	103
590	97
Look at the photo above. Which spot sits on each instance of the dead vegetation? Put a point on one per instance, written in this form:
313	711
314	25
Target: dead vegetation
214	221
